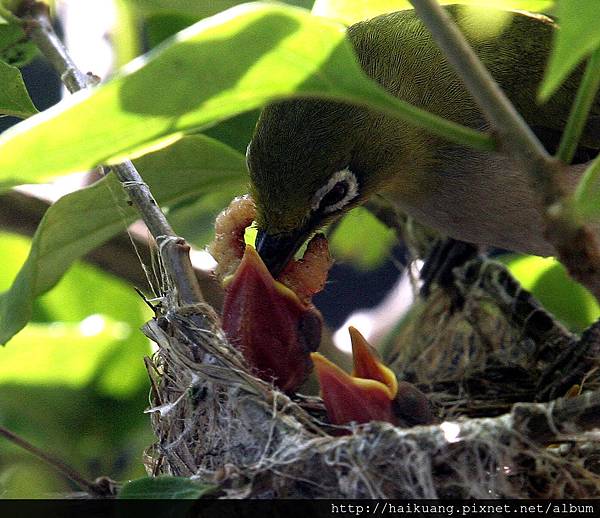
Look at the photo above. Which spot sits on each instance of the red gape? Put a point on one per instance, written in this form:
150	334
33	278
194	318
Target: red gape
274	324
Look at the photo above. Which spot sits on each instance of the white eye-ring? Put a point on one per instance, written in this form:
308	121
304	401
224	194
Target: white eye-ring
339	190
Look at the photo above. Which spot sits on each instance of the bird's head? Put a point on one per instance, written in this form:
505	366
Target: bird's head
310	161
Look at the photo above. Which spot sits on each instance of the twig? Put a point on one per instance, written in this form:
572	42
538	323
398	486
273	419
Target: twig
586	94
174	250
576	245
99	488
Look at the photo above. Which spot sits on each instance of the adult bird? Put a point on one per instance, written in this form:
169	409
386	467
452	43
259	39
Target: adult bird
310	160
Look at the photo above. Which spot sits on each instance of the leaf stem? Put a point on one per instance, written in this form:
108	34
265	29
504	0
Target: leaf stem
173	249
586	95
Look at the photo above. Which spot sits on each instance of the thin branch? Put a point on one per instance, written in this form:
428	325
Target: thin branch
92	488
586	94
576	245
174	250
41	32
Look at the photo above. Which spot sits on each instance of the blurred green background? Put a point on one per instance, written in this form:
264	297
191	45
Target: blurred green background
73	381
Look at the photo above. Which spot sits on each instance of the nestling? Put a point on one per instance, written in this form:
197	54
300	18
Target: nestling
310	160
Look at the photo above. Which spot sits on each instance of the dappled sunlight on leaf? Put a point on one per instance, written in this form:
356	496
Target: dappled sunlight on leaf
549	282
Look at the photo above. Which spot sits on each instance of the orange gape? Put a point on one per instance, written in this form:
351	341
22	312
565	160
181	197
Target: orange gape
272	322
371	392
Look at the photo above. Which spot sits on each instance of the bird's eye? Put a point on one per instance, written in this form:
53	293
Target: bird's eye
335	195
341	188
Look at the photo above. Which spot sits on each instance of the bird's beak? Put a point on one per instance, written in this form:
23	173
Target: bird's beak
277	250
275	331
348	398
366	395
367	365
409	405
371	393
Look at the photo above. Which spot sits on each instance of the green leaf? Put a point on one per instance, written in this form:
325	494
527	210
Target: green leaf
50	354
83	220
162	26
164	488
550	283
578	36
83	333
352	11
184	7
219	67
197	10
15	48
14	98
362	239
587	194
196	219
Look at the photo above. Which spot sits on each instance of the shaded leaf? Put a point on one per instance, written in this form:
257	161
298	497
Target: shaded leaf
164	488
160	27
15	48
272	51
14	98
578	36
83	220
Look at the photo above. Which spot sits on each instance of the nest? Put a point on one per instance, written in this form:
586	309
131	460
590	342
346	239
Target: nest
502	433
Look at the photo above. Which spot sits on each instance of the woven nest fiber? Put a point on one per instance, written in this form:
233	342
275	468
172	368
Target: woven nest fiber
490	358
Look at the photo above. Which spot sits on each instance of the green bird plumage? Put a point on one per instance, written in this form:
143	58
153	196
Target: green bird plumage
311	160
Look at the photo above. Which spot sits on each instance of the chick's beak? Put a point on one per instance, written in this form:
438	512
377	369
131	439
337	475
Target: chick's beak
367	364
348	398
274	330
371	393
277	250
364	396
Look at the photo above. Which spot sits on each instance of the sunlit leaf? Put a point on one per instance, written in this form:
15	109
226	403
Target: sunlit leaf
362	239
195	9
352	11
578	36
83	220
550	283
272	51
14	99
93	314
51	353
184	7
164	488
